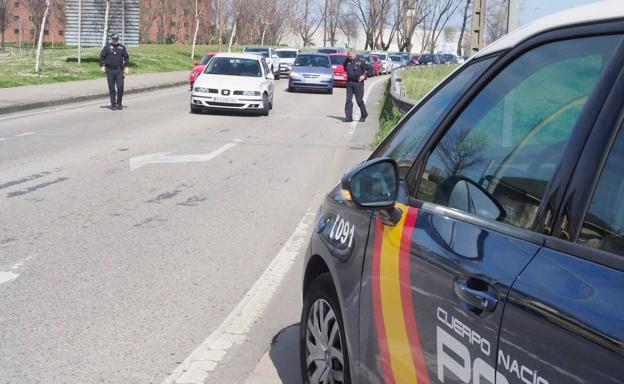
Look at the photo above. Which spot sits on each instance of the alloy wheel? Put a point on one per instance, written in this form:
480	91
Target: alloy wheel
324	350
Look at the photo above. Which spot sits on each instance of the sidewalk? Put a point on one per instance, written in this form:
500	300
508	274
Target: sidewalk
39	96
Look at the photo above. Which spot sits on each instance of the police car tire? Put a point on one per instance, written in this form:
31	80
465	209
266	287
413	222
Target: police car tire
322	288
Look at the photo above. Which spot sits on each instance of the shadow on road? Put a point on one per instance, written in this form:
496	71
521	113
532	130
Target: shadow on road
284	354
339	118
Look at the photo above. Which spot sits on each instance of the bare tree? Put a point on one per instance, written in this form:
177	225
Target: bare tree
442	12
496	22
413	14
5	15
48	5
308	22
198	12
467	14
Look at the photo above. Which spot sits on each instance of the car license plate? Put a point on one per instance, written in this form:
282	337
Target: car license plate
225	100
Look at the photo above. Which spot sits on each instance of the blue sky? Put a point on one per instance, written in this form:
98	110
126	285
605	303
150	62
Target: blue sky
533	9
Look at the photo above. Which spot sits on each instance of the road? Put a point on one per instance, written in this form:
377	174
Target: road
130	239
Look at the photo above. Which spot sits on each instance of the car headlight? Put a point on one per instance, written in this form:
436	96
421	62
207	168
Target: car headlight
326	77
200	90
294	74
251	93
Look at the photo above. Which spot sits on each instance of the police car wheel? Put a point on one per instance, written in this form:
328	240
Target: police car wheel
323	348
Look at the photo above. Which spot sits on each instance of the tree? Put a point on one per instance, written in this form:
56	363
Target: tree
48	5
198	12
442	11
5	15
414	13
496	21
308	23
467	14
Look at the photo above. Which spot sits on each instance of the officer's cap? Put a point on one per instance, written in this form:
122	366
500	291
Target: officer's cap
114	36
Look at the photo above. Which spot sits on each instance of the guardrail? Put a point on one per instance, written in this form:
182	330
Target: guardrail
397	93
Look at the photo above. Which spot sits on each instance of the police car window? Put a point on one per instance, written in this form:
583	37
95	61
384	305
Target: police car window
406	141
603	227
233	67
498	157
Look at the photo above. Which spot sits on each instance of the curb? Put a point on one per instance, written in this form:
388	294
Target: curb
77	99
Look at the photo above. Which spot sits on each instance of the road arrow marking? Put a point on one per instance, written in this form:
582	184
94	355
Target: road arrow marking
165	157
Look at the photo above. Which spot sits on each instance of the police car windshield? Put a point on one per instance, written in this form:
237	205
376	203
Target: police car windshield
337	60
286	54
230	66
312	61
260	51
205	59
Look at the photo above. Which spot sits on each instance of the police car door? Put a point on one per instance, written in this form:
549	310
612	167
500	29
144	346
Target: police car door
564	319
439	279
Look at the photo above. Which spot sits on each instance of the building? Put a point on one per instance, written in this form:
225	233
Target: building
24	20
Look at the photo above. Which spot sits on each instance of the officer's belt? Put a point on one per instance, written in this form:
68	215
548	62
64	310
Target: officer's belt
114	66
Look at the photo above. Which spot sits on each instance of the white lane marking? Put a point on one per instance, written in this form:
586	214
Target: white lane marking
366	94
25	134
3	139
76	106
165	158
233	330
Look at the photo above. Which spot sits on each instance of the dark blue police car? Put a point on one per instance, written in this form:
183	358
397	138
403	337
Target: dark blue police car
483	241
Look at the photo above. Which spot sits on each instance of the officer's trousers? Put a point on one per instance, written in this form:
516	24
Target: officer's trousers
355	88
115	77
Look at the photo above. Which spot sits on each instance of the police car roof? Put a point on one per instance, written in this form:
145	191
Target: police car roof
238	55
601	11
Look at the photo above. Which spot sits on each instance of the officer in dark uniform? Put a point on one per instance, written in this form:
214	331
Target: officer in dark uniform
114	61
356	69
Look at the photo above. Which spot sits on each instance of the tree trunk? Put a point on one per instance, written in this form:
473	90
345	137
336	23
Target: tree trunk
232	37
105	34
41	34
196	30
463	28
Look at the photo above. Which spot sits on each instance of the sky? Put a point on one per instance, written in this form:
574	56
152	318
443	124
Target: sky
534	9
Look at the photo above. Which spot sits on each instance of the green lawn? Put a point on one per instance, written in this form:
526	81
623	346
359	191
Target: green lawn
419	81
60	64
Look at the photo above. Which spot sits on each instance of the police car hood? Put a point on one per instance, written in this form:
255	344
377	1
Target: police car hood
242	83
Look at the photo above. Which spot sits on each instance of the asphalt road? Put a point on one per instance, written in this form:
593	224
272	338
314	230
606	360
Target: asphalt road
128	238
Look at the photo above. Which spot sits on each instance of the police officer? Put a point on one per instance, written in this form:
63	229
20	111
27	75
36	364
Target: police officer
356	69
114	61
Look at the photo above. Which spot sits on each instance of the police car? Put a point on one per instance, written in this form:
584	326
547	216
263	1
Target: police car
483	241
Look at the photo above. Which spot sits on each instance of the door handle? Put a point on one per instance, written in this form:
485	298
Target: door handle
481	299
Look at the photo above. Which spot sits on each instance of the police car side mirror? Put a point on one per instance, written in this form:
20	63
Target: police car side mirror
372	185
270	76
466	195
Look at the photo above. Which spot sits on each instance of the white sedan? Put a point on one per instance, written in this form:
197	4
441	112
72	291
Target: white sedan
234	81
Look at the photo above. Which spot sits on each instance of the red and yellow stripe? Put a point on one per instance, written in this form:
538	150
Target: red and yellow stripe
400	348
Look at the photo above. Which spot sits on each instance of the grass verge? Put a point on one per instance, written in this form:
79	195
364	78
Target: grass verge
417	82
61	64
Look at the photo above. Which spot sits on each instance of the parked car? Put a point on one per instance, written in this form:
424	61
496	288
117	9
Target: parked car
270	57
234	81
415	60
386	62
340	75
312	71
452	59
199	67
330	50
377	65
429	59
287	59
406	58
397	61
483	240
